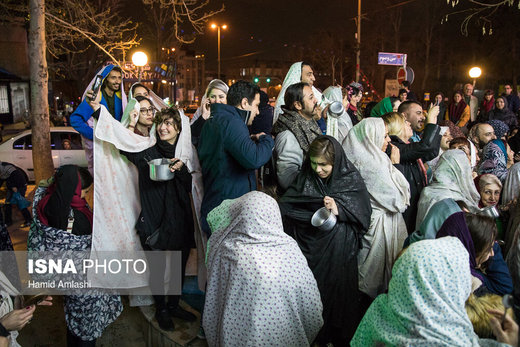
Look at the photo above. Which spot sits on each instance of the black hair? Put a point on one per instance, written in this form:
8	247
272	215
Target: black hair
304	63
140	98
169	113
439	93
85	177
294	93
242	89
405	105
139	85
118	69
461	140
115	68
406	84
402	91
483	230
393	100
322	146
368	109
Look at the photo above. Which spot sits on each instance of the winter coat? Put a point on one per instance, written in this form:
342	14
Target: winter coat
165	205
229	157
426	149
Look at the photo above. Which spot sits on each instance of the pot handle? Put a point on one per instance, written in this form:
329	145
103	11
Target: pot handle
173	163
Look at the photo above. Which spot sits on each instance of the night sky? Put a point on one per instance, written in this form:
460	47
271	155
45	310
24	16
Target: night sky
269	24
277	29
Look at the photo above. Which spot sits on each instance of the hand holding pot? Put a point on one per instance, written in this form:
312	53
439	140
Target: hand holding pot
176	164
330	204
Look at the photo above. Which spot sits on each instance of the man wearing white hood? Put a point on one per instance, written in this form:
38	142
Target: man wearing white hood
298	72
294	132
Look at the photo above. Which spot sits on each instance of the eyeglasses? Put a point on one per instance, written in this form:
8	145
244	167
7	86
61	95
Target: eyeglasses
149	110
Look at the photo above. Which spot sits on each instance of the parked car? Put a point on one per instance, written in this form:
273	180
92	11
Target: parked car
18	150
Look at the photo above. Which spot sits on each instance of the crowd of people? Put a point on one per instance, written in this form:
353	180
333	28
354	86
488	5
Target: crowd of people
423	218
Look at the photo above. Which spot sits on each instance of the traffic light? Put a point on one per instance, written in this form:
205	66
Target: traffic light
256	79
268	80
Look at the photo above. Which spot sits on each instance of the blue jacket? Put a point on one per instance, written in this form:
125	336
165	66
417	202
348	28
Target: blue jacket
229	157
79	118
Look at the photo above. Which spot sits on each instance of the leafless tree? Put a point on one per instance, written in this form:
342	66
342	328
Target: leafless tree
481	11
41	139
186	17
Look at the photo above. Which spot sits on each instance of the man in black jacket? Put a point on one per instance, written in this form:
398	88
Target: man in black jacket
413	157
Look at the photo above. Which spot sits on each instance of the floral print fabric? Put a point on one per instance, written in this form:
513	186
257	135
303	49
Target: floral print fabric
260	290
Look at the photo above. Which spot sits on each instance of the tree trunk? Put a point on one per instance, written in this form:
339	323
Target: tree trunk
428	43
41	139
332	60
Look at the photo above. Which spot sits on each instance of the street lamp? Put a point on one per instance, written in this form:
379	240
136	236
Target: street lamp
139	59
475	73
216	26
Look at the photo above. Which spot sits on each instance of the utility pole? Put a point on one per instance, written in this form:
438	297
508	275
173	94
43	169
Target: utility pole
218	73
358	37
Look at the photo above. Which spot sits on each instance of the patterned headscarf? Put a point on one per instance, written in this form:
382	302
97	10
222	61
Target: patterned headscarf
424	306
501	128
494	160
454	130
257	277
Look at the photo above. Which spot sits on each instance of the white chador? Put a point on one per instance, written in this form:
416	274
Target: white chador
116	190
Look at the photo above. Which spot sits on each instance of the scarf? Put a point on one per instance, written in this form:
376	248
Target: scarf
216	83
500	128
248	249
454	130
6	170
166	148
425	301
451	179
341	124
345	185
456	110
387	186
488	105
384	106
67	177
294	75
304	130
494	160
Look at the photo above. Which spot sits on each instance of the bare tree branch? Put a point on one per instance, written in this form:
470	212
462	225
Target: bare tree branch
185	16
479	11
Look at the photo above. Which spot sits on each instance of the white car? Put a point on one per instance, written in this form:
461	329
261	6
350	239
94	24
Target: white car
18	150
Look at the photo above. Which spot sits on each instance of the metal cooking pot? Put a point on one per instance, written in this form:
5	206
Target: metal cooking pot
160	169
490	211
323	219
336	109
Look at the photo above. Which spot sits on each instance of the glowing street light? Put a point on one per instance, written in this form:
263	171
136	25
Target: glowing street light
139	59
218	27
475	73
